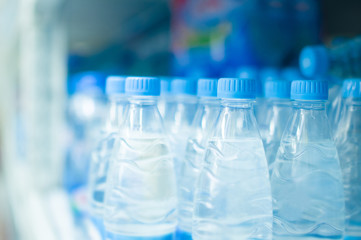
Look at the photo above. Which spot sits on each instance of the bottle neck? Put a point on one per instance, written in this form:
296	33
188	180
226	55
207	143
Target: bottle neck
143	119
279	102
307	105
187	99
350	121
209	101
309	122
352	110
244	104
236	120
143	101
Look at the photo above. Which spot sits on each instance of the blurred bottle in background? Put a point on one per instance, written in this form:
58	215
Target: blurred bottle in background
348	142
191	164
179	117
165	101
101	155
85	117
278	110
215	37
335	99
341	60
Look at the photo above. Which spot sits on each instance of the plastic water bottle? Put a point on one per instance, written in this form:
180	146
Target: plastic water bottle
260	104
233	194
308	198
140	198
102	153
342	61
265	74
252	73
85	117
277	93
348	141
334	105
179	117
203	125
165	98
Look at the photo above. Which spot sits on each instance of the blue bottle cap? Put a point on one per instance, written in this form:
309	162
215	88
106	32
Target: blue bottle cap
242	88
278	89
207	87
309	90
352	88
142	86
115	85
165	85
314	61
251	72
90	82
186	86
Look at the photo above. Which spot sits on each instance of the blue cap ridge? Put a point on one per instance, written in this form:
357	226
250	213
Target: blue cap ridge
115	85
314	61
142	86
278	89
185	86
207	87
309	90
241	88
351	88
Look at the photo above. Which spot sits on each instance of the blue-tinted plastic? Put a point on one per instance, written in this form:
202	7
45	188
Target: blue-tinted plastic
115	85
165	85
314	61
253	73
269	73
180	86
87	82
207	87
352	88
277	89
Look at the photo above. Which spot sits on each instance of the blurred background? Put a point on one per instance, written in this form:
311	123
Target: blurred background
47	46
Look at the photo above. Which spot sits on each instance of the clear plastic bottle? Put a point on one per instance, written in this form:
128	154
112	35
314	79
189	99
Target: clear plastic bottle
85	117
140	198
102	153
334	105
308	198
343	60
348	142
277	93
233	194
265	74
203	125
180	115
